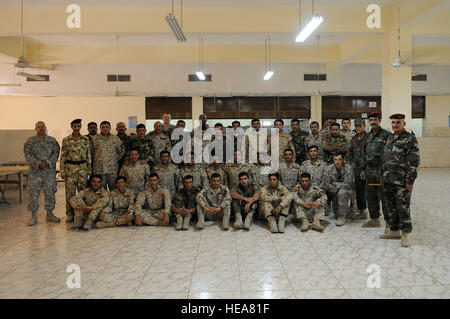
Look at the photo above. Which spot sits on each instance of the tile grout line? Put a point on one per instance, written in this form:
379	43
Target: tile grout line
193	268
284	269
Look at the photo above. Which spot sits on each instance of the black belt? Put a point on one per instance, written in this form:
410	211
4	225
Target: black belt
75	162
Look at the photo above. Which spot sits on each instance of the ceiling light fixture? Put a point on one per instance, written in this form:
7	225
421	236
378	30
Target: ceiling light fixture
398	61
31	76
175	26
267	71
199	73
312	25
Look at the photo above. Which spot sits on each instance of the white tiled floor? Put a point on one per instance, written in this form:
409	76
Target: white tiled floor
159	262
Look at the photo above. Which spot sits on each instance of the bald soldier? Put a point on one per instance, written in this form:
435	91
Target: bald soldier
167	128
75	164
160	140
121	129
401	160
41	152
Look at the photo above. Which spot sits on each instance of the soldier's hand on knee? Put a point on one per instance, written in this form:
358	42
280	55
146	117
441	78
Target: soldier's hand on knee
138	219
166	219
409	187
101	216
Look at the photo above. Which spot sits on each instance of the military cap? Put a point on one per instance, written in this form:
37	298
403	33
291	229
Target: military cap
359	122
76	121
374	114
397	116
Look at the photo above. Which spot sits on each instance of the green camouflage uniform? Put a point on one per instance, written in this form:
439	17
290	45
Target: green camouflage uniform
401	160
146	149
356	160
168	131
75	166
108	150
249	191
37	150
157	202
161	143
373	160
333	142
186	199
299	146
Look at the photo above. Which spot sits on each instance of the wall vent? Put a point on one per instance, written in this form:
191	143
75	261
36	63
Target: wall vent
122	77
313	77
194	78
45	76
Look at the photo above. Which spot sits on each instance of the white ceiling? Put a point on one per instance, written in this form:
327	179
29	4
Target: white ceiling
194	3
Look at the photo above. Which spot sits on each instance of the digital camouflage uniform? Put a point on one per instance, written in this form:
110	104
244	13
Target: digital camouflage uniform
316	140
75	166
108	150
238	205
356	160
219	198
168	177
125	140
137	175
401	160
233	170
289	174
260	178
161	143
37	150
200	179
187	200
341	194
157	203
316	171
313	194
88	197
118	206
299	146
146	149
373	160
210	169
333	141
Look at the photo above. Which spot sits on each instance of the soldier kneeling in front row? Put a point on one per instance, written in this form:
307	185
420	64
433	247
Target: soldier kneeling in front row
275	202
89	202
120	207
309	202
245	197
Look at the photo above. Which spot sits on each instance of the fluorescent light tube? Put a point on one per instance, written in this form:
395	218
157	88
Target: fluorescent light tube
31	76
175	27
7	84
200	75
313	23
268	75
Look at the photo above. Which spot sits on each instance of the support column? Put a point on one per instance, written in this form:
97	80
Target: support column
197	108
316	109
396	91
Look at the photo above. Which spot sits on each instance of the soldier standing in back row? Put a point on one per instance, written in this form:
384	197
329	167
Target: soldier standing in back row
75	164
334	142
168	173
145	146
371	173
160	141
108	150
195	170
401	160
298	139
41	152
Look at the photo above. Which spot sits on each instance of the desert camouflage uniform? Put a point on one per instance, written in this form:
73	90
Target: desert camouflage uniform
272	197
161	143
108	150
316	171
299	145
88	197
210	169
168	177
313	194
125	140
200	179
356	160
233	170
209	197
137	175
401	160
316	140
146	149
373	160
77	152
37	150
333	141
119	205
157	202
341	194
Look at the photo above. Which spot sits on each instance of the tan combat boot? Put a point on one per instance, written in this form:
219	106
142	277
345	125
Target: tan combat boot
248	221
393	234
179	222
272	224
361	215
317	226
226	222
201	221
375	222
405	240
33	219
138	220
341	221
281	223
88	224
238	221
52	218
186	222
305	224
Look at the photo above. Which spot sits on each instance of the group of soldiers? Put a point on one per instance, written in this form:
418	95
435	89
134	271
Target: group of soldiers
113	180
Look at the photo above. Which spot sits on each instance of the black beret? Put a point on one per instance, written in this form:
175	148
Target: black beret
397	116
76	121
